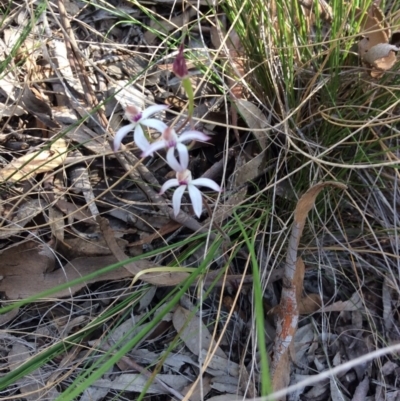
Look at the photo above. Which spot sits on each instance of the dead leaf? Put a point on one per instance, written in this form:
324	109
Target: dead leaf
146	357
33	386
26	211
304	337
86	137
255	119
127	95
376	12
189	329
9	84
306	202
226	384
161	279
7	110
81	184
34	163
8	87
236	66
59	56
126	331
137	382
65	327
247	383
73	211
202	388
166	26
355	345
27	270
6	317
37	107
71	7
380	57
56	222
242	174
251	170
309	304
353	304
226	397
219	364
360	394
373	25
374	48
94	394
388	368
80	247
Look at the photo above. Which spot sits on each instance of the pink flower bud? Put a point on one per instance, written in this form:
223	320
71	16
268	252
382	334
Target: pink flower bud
179	66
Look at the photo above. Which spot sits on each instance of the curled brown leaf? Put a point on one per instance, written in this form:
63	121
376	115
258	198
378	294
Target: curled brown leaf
374	48
380	58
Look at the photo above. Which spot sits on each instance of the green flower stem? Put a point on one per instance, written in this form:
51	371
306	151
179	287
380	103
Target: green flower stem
187	85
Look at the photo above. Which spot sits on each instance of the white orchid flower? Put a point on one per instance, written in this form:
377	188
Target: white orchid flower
139	118
184	180
171	140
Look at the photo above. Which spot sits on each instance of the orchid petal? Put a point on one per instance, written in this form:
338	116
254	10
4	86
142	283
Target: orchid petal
153	123
183	155
173	162
177	199
197	200
154	147
153	110
193	136
206	182
169	184
120	135
140	139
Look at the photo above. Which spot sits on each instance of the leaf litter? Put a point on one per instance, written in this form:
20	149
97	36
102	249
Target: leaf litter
69	207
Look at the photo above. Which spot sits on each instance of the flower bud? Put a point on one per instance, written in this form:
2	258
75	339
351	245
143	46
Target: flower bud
179	66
